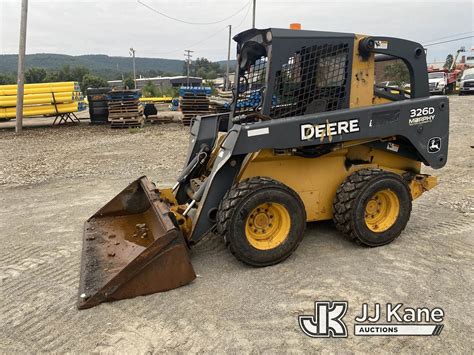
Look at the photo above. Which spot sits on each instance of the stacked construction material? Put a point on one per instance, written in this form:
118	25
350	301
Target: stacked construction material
206	90
125	110
98	105
193	105
42	99
194	101
219	105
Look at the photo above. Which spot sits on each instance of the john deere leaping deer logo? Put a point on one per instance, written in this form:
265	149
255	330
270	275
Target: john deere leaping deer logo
434	145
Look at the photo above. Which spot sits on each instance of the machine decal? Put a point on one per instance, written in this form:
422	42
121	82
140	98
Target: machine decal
434	145
393	147
421	115
258	132
381	44
329	129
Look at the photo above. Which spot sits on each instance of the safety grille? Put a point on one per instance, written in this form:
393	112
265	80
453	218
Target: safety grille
251	82
314	79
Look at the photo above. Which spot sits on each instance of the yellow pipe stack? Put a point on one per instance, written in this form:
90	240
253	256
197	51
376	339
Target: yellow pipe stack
40	99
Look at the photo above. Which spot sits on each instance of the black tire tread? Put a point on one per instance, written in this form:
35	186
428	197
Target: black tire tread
346	195
233	197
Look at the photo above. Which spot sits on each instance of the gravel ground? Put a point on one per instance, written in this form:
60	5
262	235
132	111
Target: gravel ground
46	154
52	179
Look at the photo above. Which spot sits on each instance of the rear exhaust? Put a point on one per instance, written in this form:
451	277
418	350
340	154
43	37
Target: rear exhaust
132	247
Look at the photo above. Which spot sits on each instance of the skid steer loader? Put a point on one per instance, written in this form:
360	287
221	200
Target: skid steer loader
310	137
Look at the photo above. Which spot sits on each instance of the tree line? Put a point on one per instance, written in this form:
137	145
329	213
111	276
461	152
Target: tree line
201	67
65	73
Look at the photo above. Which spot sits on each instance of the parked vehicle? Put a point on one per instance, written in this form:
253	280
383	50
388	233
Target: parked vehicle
438	82
467	82
443	81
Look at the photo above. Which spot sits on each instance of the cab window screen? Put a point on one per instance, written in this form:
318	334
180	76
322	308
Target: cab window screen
313	80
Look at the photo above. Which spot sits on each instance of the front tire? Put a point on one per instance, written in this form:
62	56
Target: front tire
262	221
372	206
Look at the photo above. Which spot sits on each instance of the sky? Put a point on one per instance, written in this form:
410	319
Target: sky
111	27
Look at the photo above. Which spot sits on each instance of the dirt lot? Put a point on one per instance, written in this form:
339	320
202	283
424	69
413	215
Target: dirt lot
53	179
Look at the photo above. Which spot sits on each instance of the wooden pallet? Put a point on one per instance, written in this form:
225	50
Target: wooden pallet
127	122
188	117
119	115
125	112
154	119
193	105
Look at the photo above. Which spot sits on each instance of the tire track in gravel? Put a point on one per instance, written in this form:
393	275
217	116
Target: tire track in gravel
39	275
53	277
24	263
47	311
14	250
43	274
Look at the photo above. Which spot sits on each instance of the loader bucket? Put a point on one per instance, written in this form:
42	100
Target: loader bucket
132	247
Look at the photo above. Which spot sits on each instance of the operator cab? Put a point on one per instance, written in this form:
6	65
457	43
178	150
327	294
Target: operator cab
285	73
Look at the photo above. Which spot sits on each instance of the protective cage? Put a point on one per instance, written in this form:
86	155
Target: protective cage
294	73
313	80
251	85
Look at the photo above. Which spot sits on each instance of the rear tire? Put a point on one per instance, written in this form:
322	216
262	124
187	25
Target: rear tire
262	221
372	207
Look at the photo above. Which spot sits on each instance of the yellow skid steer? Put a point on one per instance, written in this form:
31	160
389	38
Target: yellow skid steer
311	136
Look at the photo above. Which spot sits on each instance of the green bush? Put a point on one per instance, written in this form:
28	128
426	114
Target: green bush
92	81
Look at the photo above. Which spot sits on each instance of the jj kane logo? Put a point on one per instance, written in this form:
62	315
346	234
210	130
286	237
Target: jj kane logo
327	320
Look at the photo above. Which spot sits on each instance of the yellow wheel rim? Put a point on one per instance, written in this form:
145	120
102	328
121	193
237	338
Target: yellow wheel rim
381	212
267	226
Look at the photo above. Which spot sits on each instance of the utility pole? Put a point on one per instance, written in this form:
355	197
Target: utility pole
20	90
253	13
227	81
188	62
132	53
